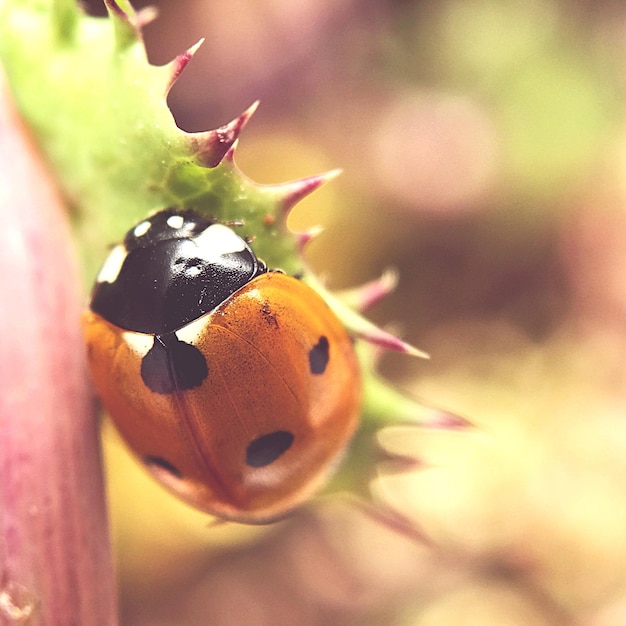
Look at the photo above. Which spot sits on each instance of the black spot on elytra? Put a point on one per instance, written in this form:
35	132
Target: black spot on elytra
157	461
173	365
266	449
318	356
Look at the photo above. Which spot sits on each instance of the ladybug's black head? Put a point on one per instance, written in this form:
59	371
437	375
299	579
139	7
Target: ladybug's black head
166	225
170	269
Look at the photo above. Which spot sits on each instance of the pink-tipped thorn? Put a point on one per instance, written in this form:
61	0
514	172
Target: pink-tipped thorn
230	153
126	24
212	146
365	296
395	521
416	413
146	16
397	463
180	63
445	420
381	338
115	9
292	192
305	237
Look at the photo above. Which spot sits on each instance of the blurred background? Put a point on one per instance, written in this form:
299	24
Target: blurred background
483	144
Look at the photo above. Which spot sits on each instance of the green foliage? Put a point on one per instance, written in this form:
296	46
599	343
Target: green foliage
99	110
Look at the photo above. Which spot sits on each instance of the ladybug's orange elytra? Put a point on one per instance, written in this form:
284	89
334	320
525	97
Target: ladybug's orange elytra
238	387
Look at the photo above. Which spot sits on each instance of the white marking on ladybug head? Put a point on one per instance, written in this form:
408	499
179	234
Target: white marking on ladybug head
175	221
139	343
112	266
219	240
194	330
141	229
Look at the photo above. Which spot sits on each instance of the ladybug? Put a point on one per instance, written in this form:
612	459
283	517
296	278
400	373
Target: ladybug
236	385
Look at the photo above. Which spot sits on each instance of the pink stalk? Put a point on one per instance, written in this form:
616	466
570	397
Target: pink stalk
55	558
